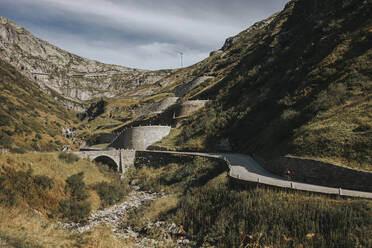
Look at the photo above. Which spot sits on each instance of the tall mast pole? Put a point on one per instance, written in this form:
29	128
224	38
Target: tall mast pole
181	54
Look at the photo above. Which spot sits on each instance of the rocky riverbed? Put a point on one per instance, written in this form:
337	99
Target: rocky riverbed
114	217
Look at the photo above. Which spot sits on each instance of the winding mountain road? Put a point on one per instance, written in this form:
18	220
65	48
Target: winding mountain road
246	169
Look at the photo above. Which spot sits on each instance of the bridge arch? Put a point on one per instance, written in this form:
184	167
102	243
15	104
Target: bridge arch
107	160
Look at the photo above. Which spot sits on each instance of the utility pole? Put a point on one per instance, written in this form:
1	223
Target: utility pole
181	54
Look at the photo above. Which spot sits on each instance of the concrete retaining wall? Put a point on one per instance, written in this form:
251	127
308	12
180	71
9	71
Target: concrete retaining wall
140	138
183	89
189	107
321	173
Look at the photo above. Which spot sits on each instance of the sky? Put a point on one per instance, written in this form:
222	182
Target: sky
145	34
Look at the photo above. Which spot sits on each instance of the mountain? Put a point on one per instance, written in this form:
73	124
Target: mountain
69	78
29	119
298	83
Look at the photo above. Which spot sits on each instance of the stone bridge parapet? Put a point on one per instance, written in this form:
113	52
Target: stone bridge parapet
119	159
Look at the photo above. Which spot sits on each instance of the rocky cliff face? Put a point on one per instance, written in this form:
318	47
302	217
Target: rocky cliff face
69	78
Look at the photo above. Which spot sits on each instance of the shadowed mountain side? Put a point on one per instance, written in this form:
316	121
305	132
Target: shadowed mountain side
302	87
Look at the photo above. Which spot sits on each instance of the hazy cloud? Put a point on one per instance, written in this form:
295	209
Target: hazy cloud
138	33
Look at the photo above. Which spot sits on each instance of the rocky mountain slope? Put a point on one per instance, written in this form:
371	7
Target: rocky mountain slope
163	102
29	119
70	78
298	83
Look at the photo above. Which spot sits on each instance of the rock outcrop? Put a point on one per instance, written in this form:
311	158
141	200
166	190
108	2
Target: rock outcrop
68	77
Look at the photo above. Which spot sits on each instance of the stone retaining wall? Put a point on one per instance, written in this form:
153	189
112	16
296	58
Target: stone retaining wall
140	138
320	173
189	107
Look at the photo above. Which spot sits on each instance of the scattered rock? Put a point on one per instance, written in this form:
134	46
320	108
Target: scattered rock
310	235
134	182
4	244
114	216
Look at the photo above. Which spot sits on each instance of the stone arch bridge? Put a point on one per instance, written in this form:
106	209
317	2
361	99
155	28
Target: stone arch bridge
119	160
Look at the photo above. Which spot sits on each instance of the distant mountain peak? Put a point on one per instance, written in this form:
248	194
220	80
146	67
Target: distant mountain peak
72	77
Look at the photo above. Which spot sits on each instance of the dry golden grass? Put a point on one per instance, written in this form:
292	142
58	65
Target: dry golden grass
102	237
49	165
158	97
160	207
23	226
121	102
94	200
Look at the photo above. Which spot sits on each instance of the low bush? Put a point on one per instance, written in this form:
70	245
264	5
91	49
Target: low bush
73	210
68	157
110	193
166	174
222	217
19	188
18	150
76	186
43	181
76	208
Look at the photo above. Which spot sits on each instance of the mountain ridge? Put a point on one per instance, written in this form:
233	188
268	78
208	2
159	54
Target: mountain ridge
279	84
75	78
301	86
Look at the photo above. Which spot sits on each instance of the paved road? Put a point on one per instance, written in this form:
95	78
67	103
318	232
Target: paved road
245	168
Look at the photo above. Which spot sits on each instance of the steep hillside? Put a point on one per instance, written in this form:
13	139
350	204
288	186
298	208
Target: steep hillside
133	108
296	83
29	119
39	191
299	83
75	78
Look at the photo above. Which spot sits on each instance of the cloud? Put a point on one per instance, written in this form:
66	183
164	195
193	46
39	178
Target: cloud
145	33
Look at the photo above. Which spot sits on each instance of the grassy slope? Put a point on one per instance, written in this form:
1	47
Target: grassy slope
301	86
217	213
28	118
28	212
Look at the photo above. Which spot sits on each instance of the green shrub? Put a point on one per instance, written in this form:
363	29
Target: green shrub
5	120
76	186
6	140
74	210
110	193
68	157
19	187
43	181
18	150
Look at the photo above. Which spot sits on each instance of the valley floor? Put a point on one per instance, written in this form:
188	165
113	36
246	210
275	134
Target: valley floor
174	200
